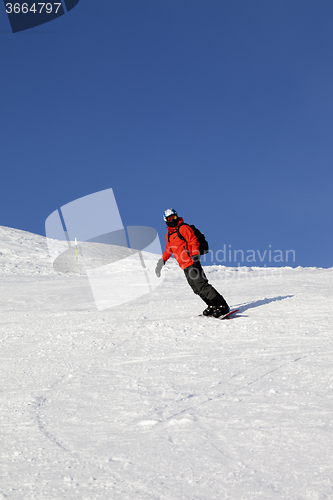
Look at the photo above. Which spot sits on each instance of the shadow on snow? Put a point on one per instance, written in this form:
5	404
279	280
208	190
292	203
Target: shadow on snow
257	303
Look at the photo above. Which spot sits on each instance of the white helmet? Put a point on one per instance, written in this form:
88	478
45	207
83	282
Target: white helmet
168	212
171	217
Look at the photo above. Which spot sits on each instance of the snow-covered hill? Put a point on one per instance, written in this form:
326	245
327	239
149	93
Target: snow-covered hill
23	253
148	401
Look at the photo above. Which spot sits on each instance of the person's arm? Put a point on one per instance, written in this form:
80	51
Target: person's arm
167	253
192	242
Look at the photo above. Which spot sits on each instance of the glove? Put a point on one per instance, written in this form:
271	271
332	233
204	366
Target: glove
196	258
158	268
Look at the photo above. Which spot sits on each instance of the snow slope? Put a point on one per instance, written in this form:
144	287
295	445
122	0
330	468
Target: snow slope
149	401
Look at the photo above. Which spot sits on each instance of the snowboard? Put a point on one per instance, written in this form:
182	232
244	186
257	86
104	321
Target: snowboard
233	311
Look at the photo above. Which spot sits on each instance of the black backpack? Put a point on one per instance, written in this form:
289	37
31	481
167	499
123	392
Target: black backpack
203	243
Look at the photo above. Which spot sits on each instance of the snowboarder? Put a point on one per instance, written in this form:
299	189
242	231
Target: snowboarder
186	252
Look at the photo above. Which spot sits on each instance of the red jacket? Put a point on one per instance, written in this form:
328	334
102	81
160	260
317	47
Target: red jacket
182	250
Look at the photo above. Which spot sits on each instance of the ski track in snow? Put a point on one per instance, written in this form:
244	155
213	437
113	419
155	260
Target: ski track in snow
150	401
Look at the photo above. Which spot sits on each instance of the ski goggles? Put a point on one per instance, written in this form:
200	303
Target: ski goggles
171	217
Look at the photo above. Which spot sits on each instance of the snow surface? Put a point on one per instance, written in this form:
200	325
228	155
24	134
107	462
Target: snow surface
147	400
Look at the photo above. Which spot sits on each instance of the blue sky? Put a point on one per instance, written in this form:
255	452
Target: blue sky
220	109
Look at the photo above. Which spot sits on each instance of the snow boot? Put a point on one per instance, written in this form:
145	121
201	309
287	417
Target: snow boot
220	310
209	311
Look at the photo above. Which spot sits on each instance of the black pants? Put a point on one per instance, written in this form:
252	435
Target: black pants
197	280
